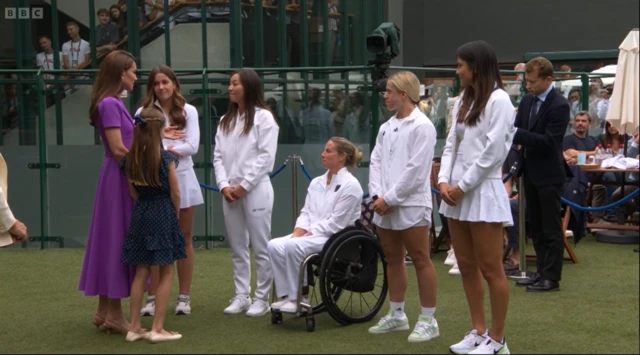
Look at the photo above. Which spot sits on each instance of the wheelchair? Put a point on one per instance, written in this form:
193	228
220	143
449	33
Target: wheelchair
350	264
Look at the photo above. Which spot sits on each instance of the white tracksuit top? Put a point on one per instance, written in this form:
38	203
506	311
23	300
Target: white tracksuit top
246	159
400	164
330	209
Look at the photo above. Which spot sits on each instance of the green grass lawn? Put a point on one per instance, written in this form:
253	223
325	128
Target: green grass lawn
597	311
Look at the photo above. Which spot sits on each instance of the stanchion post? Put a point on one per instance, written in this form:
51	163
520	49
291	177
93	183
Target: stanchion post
294	187
522	234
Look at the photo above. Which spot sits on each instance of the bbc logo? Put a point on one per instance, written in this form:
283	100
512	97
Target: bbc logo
24	13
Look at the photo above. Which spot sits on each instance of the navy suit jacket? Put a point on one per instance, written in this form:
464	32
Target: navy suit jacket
541	138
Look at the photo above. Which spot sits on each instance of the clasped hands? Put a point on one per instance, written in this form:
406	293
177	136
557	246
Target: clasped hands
450	195
380	206
172	132
233	193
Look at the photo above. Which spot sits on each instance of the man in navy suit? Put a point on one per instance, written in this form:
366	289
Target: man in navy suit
541	123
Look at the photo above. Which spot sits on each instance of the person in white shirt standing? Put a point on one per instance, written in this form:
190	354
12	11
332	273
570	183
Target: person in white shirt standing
243	157
182	137
333	203
476	203
399	183
76	53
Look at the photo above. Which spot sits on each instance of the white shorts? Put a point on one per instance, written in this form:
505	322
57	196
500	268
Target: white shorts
403	217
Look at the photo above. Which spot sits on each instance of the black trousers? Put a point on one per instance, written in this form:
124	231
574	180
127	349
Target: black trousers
544	210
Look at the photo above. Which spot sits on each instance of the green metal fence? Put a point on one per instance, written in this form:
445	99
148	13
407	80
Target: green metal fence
54	159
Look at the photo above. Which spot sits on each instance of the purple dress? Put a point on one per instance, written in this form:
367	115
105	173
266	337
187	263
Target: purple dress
102	272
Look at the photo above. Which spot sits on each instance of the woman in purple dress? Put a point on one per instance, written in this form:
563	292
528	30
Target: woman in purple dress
102	273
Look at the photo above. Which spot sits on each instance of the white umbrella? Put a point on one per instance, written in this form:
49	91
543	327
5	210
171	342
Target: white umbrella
623	104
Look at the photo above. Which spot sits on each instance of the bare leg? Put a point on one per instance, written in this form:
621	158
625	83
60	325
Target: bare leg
185	266
394	253
487	240
416	241
137	292
471	278
162	297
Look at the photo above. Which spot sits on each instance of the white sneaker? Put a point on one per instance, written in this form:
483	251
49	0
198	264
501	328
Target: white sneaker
469	343
149	308
451	258
389	323
491	347
289	307
183	305
238	304
258	308
278	304
454	270
425	330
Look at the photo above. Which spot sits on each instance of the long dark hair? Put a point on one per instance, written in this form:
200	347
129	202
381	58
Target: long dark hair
482	61
252	87
177	115
109	80
143	160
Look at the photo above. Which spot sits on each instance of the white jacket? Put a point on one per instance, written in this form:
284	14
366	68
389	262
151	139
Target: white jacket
246	159
7	220
187	146
330	209
400	167
484	146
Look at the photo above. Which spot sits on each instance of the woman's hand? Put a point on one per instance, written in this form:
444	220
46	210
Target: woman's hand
238	192
170	148
227	194
172	132
455	194
444	192
380	206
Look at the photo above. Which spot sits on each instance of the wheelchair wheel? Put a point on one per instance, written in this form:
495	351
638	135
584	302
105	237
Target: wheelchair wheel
353	265
276	317
311	324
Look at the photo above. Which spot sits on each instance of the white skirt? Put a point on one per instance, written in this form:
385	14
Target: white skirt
190	191
488	202
403	217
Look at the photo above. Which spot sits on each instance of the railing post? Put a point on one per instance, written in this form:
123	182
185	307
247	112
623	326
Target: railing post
294	187
167	34
42	153
522	231
207	151
58	89
584	77
203	23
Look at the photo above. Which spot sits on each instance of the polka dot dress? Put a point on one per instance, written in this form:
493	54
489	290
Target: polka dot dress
154	236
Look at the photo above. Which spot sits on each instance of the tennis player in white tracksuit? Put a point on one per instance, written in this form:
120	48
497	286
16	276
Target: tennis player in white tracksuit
333	203
246	160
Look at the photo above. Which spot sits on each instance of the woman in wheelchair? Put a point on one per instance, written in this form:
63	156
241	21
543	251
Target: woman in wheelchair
399	183
333	203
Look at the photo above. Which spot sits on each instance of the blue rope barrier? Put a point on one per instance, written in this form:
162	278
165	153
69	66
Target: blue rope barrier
272	175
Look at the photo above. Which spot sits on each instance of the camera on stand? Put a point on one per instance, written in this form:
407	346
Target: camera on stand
384	42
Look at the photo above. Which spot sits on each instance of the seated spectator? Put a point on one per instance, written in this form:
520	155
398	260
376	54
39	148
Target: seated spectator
631	206
575	190
107	35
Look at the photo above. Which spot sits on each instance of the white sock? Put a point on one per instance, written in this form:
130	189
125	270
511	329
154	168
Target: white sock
397	308
429	312
151	297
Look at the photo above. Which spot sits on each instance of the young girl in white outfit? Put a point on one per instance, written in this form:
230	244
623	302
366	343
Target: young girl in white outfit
182	137
400	186
476	202
332	204
245	151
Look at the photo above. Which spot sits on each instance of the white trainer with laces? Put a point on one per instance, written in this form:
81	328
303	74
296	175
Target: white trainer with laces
425	330
258	308
390	323
238	304
183	305
278	304
149	308
451	258
491	347
469	343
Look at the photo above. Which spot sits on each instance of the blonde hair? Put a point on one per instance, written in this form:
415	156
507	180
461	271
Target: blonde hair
345	146
142	167
408	82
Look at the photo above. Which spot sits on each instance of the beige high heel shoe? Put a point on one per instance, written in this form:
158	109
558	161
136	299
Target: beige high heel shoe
114	327
135	336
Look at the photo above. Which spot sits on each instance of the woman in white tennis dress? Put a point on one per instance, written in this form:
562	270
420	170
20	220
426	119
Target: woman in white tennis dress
475	201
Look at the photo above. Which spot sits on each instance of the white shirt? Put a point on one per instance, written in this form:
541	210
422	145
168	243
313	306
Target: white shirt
484	146
246	159
400	165
75	51
45	61
187	146
330	209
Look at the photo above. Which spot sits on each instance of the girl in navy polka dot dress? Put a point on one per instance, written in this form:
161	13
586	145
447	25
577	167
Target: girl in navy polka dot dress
154	236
